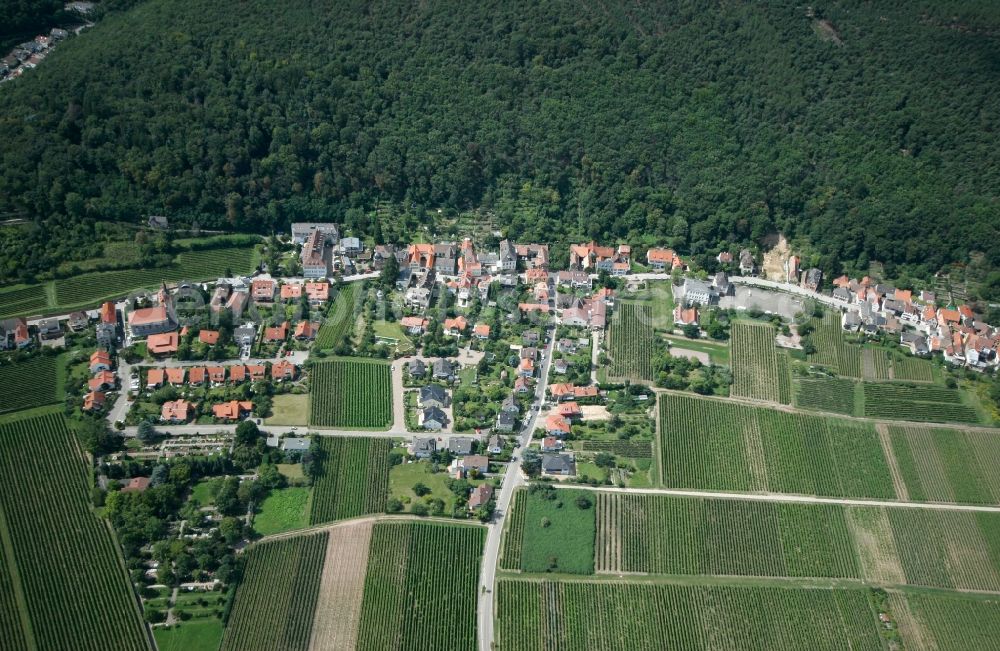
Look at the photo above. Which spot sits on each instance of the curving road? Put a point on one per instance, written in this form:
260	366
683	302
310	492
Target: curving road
512	479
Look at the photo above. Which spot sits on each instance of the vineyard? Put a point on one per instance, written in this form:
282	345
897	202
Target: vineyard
832	350
629	449
825	394
875	364
760	370
32	383
948	465
70	579
510	553
917	403
946	621
276	600
912	369
723	445
340	318
353	478
632	342
537	615
22	301
670	535
421	587
351	393
91	288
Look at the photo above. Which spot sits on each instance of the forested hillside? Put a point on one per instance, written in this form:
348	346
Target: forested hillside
866	131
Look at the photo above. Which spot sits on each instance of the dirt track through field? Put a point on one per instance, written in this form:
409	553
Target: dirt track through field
342	587
897	477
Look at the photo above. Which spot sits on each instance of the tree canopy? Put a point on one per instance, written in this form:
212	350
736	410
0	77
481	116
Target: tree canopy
863	131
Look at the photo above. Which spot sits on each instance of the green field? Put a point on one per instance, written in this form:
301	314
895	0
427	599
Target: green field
667	535
875	364
283	510
549	532
392	330
825	394
724	537
289	409
610	615
33	383
917	402
760	370
195	635
948	465
632	342
22	300
70	590
912	369
421	587
340	318
832	350
351	393
724	445
276	600
946	621
718	352
353	478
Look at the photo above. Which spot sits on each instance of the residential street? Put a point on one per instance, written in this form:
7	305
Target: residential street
512	479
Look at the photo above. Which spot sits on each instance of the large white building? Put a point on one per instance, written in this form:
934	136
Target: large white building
301	232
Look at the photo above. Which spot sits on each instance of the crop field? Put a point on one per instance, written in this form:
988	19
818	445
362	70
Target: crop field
946	621
632	342
723	445
948	465
875	364
90	288
276	600
917	402
555	534
629	449
351	393
353	480
825	394
832	350
760	370
342	588
71	584
22	300
676	535
41	374
510	552
340	318
421	587
535	615
912	369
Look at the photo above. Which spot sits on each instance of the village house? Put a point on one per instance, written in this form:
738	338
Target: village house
176	411
305	331
317	293
196	375
245	335
417	368
746	262
256	372
291	292
574	279
443	369
414	325
175	376
162	344
262	290
423	447
283	370
697	292
276	333
556	425
480	496
481	331
506	421
100	361
93	400
721	284
811	279
103	381
433	395
455	327
558	464
216	374
78	321
522	385
49	329
460	445
600	258
552	444
684	317
237	373
155	378
208	337
533	256
232	410
663	259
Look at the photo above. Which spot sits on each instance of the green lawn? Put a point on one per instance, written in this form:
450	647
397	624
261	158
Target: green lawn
392	330
291	470
717	352
206	490
197	635
558	534
403	476
289	409
283	510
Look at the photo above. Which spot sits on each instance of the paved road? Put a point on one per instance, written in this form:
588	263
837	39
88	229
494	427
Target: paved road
796	499
512	479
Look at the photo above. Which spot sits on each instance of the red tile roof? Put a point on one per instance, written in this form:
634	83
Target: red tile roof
162	344
210	337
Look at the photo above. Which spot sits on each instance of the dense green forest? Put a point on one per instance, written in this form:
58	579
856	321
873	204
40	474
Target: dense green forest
864	131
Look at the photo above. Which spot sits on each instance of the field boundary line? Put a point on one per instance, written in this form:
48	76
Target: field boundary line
978	427
788	498
890	458
15	579
381	517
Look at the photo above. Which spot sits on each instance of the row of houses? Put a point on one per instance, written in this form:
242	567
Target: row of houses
181	411
218	375
29	54
923	326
